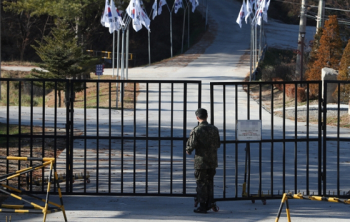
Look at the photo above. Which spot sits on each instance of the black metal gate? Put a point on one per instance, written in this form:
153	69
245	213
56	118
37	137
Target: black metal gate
128	137
293	154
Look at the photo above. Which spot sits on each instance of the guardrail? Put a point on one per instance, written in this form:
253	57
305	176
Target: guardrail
304	197
34	208
108	54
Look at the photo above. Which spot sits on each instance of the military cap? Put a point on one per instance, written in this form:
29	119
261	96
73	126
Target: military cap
201	113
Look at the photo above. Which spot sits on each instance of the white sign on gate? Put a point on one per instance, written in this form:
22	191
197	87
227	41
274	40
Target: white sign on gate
248	130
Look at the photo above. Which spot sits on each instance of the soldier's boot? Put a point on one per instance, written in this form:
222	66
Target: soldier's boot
201	209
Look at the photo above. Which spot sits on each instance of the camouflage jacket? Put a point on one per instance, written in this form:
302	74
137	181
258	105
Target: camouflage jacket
205	139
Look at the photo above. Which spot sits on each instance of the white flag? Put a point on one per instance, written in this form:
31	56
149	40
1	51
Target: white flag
242	14
133	12
259	15
266	8
144	19
253	4
138	15
104	17
161	3
249	10
177	5
155	10
195	3
113	18
119	18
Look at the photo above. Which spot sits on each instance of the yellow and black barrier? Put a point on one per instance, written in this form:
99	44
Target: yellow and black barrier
286	196
33	208
107	54
260	195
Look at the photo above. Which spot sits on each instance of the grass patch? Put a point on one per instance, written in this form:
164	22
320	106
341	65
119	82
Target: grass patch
91	93
18	63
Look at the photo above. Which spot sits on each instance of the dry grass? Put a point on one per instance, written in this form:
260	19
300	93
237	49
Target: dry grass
91	94
104	100
18	63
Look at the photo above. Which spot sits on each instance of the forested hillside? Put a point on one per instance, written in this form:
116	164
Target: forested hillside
24	21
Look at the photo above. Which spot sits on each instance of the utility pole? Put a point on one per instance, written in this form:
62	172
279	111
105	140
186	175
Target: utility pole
320	15
302	28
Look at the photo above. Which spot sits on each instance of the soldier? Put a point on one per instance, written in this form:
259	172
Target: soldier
205	139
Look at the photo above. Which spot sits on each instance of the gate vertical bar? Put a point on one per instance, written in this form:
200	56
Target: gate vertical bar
43	134
236	144
248	144
110	135
147	106
184	136
67	139
98	135
224	136
338	139
71	129
200	95
122	139
322	175
159	134
19	125
322	125
8	124
31	128
272	135
55	133
295	139
307	137
134	190
172	137
284	138
260	148
85	131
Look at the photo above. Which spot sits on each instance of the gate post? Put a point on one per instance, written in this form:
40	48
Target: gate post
323	143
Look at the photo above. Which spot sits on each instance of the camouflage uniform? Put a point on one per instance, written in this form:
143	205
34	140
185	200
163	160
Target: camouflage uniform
205	139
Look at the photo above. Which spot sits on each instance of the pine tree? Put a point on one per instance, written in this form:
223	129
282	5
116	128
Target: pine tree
62	58
315	45
344	70
328	54
344	74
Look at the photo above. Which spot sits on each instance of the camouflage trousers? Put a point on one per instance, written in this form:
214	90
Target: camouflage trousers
205	184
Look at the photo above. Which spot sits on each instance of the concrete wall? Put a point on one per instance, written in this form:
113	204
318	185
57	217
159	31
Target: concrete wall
329	74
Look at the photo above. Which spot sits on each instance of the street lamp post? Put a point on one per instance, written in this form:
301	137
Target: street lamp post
302	34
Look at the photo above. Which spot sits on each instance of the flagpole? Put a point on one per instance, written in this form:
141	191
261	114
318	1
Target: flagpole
118	54
260	41
149	41
183	31
122	64
149	48
188	34
127	52
251	49
206	17
171	30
